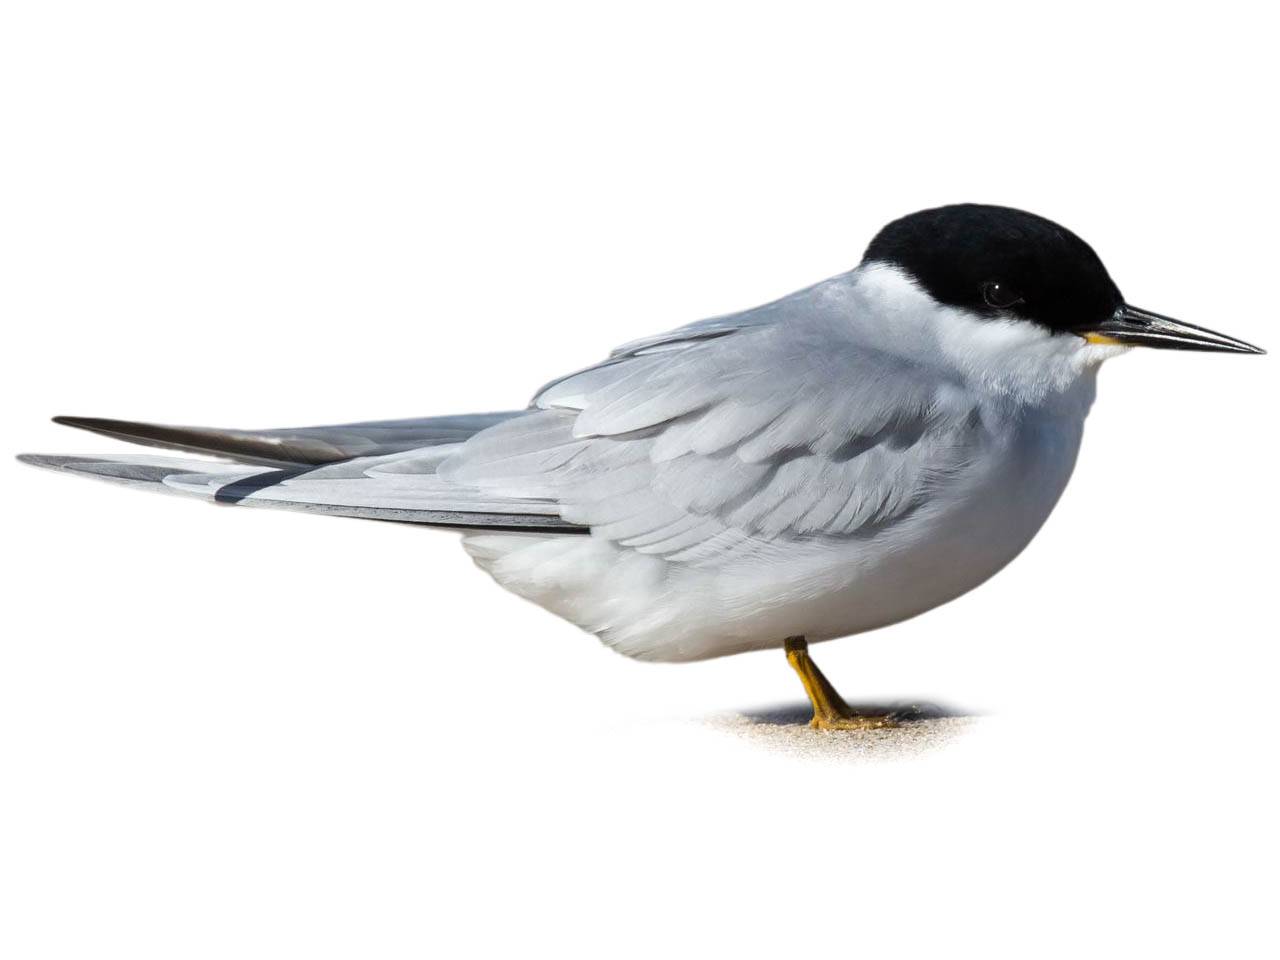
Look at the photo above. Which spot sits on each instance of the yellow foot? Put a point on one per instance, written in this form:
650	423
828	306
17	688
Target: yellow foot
830	712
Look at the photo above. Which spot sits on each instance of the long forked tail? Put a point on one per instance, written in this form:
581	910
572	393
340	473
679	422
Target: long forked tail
383	470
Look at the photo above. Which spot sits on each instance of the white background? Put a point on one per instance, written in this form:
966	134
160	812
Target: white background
250	734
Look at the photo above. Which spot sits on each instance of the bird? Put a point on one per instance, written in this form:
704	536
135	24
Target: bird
832	462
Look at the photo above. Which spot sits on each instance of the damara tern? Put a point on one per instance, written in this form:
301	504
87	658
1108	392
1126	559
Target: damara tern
844	458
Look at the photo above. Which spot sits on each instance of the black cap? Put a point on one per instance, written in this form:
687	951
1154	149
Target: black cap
1001	262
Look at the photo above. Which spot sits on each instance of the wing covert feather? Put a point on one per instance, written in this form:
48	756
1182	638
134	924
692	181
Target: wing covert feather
732	435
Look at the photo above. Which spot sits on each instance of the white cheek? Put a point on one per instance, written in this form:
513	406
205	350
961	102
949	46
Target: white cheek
1015	358
997	339
991	344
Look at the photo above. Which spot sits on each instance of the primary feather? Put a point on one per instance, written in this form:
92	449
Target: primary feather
297	445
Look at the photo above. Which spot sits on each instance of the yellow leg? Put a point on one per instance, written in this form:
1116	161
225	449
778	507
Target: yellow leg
830	712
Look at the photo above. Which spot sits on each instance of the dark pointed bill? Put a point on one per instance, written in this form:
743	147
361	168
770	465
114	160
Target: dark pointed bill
1141	328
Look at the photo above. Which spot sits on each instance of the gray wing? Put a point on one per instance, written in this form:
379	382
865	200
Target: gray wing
732	435
381	470
399	488
291	446
729	436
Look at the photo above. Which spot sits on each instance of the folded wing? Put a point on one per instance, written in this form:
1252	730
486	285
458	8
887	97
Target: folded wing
725	439
787	423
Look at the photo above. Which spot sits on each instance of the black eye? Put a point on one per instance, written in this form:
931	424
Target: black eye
1000	295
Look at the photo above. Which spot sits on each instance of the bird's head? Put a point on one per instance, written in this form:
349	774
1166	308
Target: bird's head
1002	264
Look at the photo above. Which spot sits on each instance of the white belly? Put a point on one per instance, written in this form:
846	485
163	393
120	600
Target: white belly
966	542
649	608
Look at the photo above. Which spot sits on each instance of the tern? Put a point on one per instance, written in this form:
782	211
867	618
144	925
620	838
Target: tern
838	460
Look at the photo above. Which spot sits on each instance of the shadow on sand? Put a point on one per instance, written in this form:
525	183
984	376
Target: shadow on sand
906	711
921	727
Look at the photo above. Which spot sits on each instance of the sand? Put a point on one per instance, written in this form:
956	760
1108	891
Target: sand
785	729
